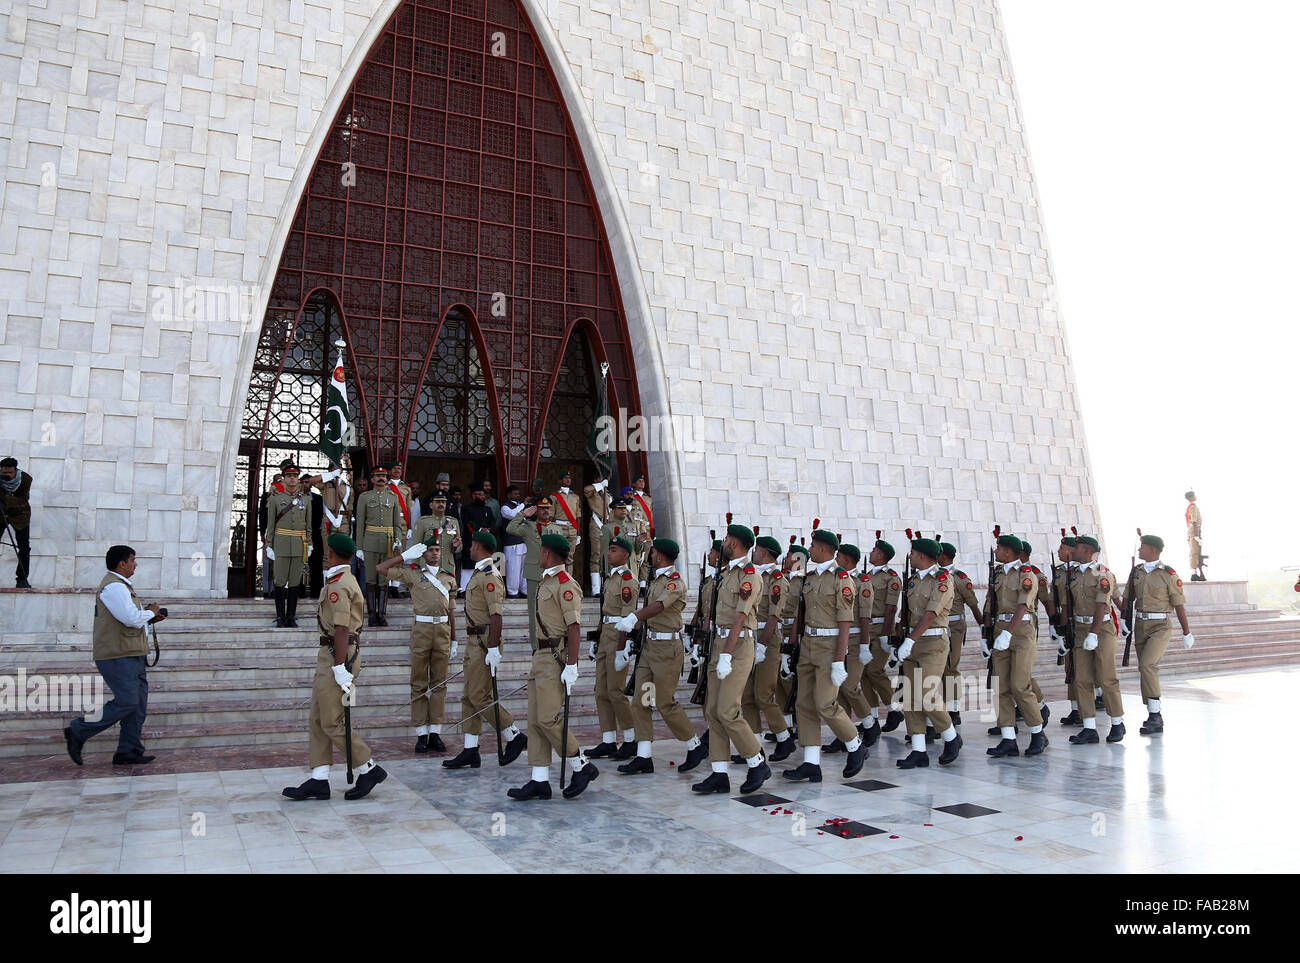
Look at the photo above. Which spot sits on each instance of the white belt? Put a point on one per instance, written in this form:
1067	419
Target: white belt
1007	618
810	630
787	621
959	616
723	633
1153	615
855	630
879	621
763	624
612	618
660	636
1083	618
934	631
431	619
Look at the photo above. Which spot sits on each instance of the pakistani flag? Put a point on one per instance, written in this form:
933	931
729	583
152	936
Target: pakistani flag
599	440
336	414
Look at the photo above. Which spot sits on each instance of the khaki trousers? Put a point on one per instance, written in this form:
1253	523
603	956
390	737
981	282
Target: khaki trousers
288	570
430	653
1194	552
1097	668
852	697
546	710
951	677
656	688
1151	637
1012	667
923	694
476	698
817	698
325	728
722	701
612	707
761	691
876	686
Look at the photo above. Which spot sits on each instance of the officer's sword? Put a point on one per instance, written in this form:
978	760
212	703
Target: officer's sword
496	718
495	702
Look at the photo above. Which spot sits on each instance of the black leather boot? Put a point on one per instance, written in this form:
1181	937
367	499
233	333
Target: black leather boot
1005	748
856	758
1085	737
834	746
755	778
805	770
1037	743
783	750
1116	733
1155	723
916	759
421	743
1073	719
601	751
466	757
532	789
694	757
892	721
366	782
513	749
291	610
871	733
950	750
637	766
716	782
627	750
279	606
311	789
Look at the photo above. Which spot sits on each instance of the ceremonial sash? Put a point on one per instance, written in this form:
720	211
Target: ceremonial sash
401	504
567	513
649	519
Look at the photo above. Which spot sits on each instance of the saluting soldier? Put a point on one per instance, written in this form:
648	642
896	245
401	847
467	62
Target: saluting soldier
886	586
1093	595
627	527
483	609
338	663
731	657
447	528
1016	590
1158	593
433	636
924	653
598	502
852	699
963	597
611	650
379	526
641	502
829	598
531	525
761	690
288	527
568	517
554	671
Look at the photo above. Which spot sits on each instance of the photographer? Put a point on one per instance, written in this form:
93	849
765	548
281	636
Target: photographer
121	648
16	513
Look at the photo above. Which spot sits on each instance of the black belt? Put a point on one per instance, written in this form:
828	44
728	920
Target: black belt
352	640
475	629
549	643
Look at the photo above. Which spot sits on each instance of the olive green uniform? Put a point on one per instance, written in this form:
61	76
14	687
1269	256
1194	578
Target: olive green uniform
1156	594
288	531
1015	585
829	598
760	692
619	596
738	592
886	585
964	596
852	697
379	529
448	535
531	532
432	630
660	665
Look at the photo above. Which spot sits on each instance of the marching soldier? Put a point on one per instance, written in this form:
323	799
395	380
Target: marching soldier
378	527
660	664
1065	577
531	525
338	663
288	524
886	585
1016	590
567	518
448	530
483	606
924	653
1193	518
963	597
433	636
1049	606
731	658
761	690
611	650
795	567
627	527
1092	595
598	502
852	698
1158	593
554	671
704	602
829	597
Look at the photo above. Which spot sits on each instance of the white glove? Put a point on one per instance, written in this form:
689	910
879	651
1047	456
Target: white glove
493	659
270	553
1090	642
591	651
311	549
1003	641
695	656
455	647
838	674
1189	640
904	650
760	653
686	641
984	648
414	552
864	653
409	534
579	540
1056	636
724	666
331	475
343	677
1060	645
622	657
569	676
361	555
627	623
785	672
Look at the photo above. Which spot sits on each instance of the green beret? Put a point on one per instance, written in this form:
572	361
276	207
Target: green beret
886	549
431	540
666	547
852	551
1090	542
1025	546
1189	494
556	543
487	540
342	545
717	545
769	543
1009	541
622	543
801	550
1155	541
948	548
926	546
826	538
742	534
1069	541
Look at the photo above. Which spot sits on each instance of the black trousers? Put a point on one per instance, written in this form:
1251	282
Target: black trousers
23	541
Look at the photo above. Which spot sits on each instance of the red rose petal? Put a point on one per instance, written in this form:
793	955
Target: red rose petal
893	837
1019	838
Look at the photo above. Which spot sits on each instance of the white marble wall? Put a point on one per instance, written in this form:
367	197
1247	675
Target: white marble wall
823	215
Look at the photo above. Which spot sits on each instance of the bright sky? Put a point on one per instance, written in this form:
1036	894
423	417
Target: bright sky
1165	142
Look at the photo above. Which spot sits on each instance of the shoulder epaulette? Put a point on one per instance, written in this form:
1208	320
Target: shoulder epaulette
891	571
564	576
627	576
749	570
674	575
842	573
1036	570
778	574
960	574
942	576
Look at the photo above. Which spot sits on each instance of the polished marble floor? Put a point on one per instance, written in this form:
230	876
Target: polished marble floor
1206	796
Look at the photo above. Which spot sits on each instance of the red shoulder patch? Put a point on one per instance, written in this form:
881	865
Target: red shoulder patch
843	574
749	570
626	576
564	576
778	574
1035	569
334	578
674	575
942	576
334	596
960	574
1171	572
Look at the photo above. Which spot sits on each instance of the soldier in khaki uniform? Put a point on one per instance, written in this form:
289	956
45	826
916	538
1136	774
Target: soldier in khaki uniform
731	658
852	698
433	636
379	530
829	597
627	527
554	672
924	653
336	499
795	566
612	652
1093	595
1158	593
448	530
886	585
1193	518
761	690
1049	606
660	665
531	525
963	597
1061	591
483	608
598	503
1015	590
638	496
338	663
288	536
568	517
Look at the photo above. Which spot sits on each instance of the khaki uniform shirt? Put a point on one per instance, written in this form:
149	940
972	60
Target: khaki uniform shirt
668	587
739	592
630	529
793	590
329	494
930	593
574	501
829	597
771	596
559	605
1015	586
341	603
619	593
291	535
378	523
426	525
1092	586
886	585
483	597
637	512
1193	520
1158	590
866	601
425	597
965	590
704	604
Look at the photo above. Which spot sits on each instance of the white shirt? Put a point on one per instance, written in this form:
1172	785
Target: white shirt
117	599
820	567
331	572
508	512
1008	566
553	570
618	571
933	569
764	569
735	562
666	570
1084	566
876	568
484	565
1151	566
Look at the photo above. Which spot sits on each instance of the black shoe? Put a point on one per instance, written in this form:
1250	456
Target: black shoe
436	744
1100	703
856	758
372	617
755	778
694	757
421	743
625	751
834	746
892	721
580	780
704	740
1073	719
466	757
1037	743
366	782
1085	737
871	735
807	770
601	751
279	607
22	583
1007	747
513	749
956	718
769	737
950	750
291	611
1046	712
392	591
311	789
783	750
637	766
716	782
1116	733
532	789
916	759
382	606
74	745
1155	723
131	759
930	734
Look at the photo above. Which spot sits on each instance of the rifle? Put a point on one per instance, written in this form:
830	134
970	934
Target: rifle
1069	602
1130	601
905	612
698	638
637	635
706	648
991	607
594	634
796	635
1051	564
